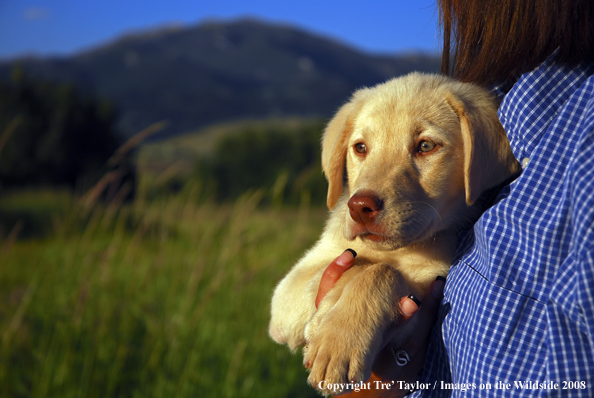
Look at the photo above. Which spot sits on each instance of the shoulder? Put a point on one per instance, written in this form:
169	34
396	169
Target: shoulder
552	99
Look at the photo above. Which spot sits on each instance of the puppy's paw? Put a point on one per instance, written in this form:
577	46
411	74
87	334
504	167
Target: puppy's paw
337	357
339	349
346	332
336	353
291	337
288	317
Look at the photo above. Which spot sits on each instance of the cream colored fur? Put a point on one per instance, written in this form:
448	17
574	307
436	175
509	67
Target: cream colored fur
426	198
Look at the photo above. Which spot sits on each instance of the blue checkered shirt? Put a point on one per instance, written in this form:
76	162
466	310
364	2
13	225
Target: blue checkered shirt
517	318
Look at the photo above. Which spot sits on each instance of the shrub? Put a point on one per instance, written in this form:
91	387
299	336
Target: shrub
281	159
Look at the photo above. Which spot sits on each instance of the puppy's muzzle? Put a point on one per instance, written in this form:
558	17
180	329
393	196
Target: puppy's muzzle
365	207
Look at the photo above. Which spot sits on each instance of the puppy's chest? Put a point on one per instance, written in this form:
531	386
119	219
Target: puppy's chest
417	267
402	260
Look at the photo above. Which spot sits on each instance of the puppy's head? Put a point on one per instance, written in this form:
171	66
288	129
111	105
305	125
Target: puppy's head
419	150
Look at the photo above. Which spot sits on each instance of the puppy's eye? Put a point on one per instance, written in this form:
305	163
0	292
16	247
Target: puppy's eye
425	146
361	148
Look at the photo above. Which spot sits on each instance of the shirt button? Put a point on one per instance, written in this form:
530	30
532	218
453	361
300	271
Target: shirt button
525	162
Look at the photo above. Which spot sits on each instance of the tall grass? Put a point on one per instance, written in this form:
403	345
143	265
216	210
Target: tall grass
167	298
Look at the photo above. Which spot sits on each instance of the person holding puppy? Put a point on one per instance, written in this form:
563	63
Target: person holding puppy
517	314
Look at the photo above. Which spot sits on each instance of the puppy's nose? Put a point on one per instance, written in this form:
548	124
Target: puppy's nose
364	207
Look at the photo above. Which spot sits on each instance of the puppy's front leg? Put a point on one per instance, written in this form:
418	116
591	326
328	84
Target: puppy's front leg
293	302
343	340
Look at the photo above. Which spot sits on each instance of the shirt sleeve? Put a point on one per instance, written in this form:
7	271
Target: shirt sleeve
582	212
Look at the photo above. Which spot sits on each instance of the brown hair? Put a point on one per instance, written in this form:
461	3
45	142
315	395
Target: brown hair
494	41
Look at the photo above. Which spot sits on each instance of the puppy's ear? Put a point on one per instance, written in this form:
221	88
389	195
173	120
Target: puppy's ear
335	145
488	159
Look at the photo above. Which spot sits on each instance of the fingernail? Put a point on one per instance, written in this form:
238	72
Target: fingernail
416	300
410	306
346	257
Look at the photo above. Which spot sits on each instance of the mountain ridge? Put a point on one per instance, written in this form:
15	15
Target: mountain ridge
219	71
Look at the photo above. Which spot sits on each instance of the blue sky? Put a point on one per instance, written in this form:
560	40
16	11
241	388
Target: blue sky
46	27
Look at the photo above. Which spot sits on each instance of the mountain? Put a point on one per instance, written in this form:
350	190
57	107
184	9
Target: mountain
220	71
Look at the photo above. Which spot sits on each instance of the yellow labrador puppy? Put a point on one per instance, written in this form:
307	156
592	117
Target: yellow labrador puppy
418	151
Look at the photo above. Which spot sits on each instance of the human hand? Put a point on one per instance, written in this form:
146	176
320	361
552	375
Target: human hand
410	335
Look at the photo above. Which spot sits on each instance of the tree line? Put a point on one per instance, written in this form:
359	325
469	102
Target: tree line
52	134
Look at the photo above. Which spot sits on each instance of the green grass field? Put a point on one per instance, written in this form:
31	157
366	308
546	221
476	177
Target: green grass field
164	298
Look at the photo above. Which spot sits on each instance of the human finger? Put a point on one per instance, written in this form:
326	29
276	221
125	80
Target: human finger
406	343
415	330
334	271
409	306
